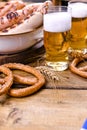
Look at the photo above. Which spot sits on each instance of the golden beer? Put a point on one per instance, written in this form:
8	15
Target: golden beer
79	26
56	45
56	39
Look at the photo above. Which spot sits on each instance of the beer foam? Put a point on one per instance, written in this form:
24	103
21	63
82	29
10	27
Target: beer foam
79	10
57	22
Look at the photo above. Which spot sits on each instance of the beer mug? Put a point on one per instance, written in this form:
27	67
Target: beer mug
78	30
57	25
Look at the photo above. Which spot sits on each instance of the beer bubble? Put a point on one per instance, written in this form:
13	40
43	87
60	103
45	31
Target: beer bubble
57	22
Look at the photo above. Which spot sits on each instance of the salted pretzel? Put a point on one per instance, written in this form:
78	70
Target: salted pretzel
8	80
81	71
21	92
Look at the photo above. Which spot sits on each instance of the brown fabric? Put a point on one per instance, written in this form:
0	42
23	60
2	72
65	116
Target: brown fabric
72	1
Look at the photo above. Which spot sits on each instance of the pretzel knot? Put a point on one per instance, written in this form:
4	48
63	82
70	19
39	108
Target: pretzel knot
32	86
81	71
34	83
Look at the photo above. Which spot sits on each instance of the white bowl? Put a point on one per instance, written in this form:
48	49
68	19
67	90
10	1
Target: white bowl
13	43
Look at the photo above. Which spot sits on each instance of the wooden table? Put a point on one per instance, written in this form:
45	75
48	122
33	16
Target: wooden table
63	108
48	109
53	109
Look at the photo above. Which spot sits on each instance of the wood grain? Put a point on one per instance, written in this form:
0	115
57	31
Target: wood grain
67	79
47	109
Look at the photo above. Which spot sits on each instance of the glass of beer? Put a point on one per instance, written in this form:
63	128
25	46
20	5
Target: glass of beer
78	30
57	25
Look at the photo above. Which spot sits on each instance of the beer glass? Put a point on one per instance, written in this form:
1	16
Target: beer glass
57	25
78	30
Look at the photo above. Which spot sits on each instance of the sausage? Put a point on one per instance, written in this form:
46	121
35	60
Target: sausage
44	7
28	25
11	6
20	16
12	18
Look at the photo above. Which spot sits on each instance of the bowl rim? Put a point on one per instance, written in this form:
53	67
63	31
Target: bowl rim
31	30
19	33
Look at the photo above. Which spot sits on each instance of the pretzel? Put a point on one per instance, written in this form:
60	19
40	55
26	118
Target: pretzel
30	89
79	71
20	79
8	80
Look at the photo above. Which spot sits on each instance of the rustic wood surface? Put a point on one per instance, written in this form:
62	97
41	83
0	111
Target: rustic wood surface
47	109
66	79
54	109
35	56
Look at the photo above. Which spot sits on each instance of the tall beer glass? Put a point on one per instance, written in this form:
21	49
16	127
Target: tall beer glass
57	25
78	30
